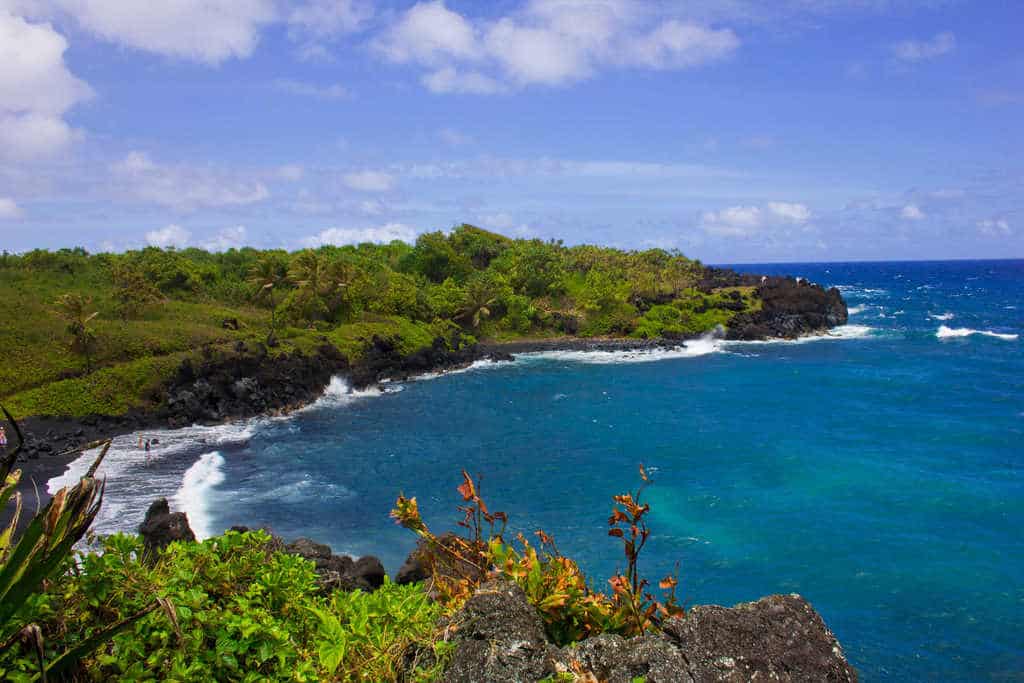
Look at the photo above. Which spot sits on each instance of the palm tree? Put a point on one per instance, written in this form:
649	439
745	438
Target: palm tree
265	276
73	307
480	298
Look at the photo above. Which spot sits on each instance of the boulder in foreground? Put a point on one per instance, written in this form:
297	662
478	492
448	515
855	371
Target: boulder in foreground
500	637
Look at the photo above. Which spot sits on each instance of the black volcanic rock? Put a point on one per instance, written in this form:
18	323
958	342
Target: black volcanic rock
248	382
161	527
790	307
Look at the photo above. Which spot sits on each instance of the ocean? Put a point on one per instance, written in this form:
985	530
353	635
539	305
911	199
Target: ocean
878	471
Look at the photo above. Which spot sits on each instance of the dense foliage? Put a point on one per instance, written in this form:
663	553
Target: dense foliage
237	609
130	318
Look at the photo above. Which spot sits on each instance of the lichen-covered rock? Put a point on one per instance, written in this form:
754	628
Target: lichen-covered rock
616	659
161	527
780	637
499	637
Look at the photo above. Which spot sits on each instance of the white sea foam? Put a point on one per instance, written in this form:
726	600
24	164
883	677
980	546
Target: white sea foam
836	333
483	364
134	479
855	310
957	332
193	496
692	349
941	316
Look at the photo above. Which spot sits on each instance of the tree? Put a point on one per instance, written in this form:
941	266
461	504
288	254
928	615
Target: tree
310	274
482	293
265	276
72	308
132	291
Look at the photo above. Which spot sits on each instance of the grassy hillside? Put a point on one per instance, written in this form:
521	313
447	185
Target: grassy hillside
132	318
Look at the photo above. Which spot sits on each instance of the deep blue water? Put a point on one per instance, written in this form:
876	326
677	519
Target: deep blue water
880	475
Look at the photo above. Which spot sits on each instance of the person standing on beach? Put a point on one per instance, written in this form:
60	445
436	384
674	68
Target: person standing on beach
3	438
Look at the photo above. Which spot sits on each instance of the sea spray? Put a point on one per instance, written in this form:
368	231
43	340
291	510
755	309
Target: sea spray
193	497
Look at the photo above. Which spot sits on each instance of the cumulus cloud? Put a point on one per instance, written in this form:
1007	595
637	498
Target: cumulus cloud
9	210
383	233
228	238
210	31
744	221
994	227
184	187
369	181
169	236
36	89
329	91
547	42
735	221
912	212
327	19
792	213
923	50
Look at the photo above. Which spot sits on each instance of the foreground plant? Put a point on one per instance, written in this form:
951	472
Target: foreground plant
40	555
570	607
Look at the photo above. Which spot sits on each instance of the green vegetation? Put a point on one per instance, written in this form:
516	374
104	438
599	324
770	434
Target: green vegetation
100	333
237	608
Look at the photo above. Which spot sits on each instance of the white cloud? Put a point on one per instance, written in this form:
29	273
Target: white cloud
184	187
291	172
36	89
228	238
792	213
169	236
332	91
383	233
922	50
369	181
994	227
208	31
912	212
326	19
428	33
675	44
735	221
547	42
450	80
9	210
745	221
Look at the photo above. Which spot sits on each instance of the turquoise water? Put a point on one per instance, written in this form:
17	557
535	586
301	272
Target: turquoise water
879	474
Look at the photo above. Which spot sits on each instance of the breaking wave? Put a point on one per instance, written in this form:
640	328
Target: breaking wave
193	496
957	332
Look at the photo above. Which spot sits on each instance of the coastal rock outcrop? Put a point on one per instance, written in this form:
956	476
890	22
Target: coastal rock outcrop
248	382
384	360
499	636
790	307
339	571
161	527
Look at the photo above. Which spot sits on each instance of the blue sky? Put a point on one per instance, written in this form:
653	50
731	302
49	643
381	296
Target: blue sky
735	130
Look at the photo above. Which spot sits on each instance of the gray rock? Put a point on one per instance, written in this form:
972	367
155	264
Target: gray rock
500	637
780	637
615	659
